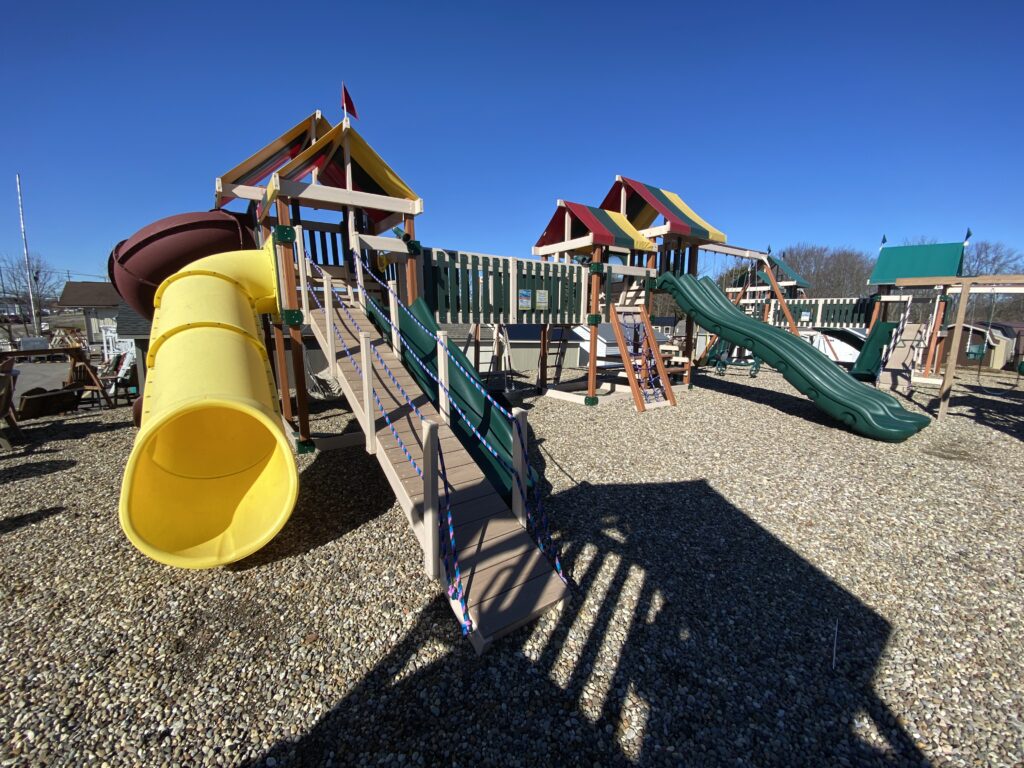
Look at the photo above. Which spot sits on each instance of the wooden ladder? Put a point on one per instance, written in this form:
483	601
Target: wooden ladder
637	364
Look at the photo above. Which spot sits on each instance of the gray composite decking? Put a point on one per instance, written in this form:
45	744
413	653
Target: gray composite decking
508	582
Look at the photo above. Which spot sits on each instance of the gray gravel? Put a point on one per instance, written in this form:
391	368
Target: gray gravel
726	551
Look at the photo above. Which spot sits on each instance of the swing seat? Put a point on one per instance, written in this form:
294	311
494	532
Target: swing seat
975	351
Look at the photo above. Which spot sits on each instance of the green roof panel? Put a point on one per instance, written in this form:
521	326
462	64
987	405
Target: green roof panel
937	260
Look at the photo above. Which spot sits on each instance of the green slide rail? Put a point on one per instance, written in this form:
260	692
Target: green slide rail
862	408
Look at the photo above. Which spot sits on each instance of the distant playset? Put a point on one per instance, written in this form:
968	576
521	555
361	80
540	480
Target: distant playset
324	256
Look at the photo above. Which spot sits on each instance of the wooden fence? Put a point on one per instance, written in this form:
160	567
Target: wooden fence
462	287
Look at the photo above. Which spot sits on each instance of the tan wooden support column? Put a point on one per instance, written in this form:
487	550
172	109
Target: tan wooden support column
954	346
595	309
781	299
412	282
688	342
280	357
940	313
289	301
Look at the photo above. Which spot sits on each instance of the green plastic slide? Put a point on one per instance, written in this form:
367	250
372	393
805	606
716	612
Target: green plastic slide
869	362
862	408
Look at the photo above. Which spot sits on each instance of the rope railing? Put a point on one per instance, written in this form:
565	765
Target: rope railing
448	554
537	521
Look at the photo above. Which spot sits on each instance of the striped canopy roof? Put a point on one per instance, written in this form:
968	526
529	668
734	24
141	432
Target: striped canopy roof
369	171
280	151
608	228
644	203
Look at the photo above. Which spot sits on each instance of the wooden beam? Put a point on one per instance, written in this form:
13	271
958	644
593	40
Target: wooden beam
935	282
336	199
782	301
411	265
566	245
286	265
951	354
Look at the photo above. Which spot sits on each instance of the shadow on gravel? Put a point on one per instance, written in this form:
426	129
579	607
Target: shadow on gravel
792	405
327	507
11	524
1002	412
35	469
70	429
693	629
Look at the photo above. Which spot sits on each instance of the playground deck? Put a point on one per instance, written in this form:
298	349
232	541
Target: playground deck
507	580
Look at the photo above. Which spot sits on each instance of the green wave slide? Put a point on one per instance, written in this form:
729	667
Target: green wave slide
862	408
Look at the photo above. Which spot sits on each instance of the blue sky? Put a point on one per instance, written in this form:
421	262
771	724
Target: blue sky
778	123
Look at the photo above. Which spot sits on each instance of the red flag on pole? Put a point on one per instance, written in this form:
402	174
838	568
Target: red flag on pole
347	105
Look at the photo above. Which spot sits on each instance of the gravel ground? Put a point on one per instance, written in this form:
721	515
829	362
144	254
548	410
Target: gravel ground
755	586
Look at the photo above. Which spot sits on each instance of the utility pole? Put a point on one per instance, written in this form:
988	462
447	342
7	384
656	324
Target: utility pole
28	265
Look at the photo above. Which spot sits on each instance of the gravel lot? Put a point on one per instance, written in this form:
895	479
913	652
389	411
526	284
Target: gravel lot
755	586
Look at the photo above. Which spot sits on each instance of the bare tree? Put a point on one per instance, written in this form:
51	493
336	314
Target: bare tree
987	258
14	283
830	271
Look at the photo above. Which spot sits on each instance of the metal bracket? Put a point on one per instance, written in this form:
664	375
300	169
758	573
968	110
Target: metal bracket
283	235
305	446
292	317
594	319
588	400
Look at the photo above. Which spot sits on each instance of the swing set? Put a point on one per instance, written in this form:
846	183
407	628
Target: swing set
964	286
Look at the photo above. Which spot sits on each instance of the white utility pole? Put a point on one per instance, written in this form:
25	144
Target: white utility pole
28	266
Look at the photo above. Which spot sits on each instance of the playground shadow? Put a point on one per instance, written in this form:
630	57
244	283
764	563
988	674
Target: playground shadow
11	524
693	634
1002	412
326	508
36	469
791	405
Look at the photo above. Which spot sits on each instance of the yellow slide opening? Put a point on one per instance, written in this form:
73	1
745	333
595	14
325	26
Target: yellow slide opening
211	477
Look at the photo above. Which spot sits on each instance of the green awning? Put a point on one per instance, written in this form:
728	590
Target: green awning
937	260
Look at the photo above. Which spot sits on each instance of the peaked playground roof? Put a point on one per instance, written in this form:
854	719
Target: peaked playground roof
645	202
592	226
934	260
277	153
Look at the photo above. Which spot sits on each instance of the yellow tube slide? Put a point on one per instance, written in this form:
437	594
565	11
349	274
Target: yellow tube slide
211	477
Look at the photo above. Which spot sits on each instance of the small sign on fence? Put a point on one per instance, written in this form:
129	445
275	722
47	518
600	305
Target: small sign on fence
525	299
541	301
805	316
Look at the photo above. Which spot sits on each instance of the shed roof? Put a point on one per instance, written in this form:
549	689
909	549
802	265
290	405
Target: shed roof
78	293
931	260
130	324
645	202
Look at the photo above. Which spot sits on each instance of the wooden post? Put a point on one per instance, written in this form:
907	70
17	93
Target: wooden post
442	376
476	346
940	312
360	280
954	349
332	345
411	277
595	308
300	253
781	299
688	341
431	535
519	464
369	411
286	262
396	338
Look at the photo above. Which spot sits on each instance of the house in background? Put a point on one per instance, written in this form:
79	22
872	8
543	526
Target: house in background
98	302
131	325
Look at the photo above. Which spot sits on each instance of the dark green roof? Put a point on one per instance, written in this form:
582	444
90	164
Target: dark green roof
938	260
788	271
